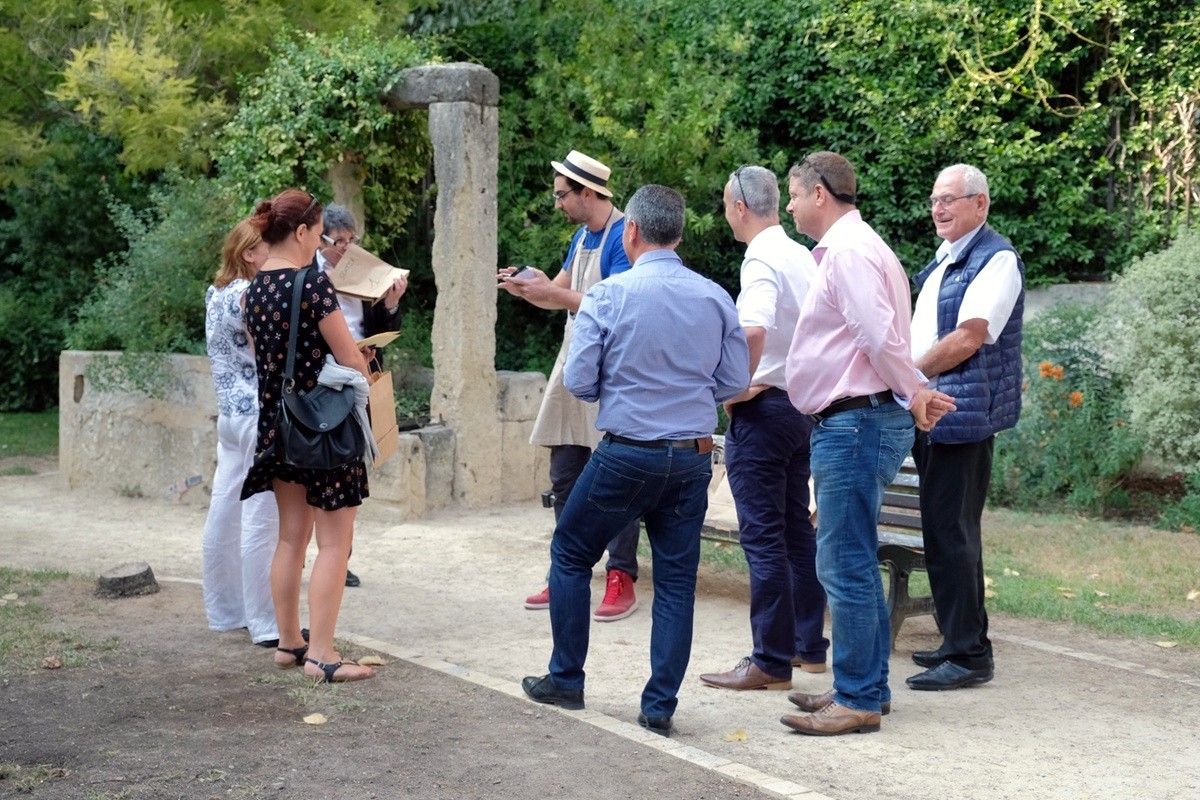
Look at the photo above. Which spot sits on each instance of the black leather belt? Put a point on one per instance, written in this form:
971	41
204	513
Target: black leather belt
851	403
659	444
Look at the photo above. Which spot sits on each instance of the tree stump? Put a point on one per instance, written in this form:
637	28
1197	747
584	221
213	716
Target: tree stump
127	580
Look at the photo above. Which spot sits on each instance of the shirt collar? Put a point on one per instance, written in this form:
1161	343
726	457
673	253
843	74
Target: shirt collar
837	232
951	251
764	241
654	256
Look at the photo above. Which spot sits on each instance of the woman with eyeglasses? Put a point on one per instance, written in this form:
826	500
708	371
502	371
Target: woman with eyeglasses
239	536
290	224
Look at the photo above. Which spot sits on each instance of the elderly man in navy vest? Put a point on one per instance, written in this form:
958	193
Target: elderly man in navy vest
966	337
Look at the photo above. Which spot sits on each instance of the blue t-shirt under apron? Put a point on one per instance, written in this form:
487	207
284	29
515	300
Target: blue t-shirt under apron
612	259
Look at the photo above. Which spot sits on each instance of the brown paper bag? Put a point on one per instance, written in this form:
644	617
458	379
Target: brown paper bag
381	407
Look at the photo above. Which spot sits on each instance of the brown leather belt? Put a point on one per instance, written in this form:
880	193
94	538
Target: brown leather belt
851	403
704	444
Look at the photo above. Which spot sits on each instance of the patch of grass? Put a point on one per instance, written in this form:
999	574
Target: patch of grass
15	471
1113	577
721	555
25	779
29	434
25	639
1116	578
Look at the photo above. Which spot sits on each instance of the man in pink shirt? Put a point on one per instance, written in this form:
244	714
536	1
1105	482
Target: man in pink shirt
850	367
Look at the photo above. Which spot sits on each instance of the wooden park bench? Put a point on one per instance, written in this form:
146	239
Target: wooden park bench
901	547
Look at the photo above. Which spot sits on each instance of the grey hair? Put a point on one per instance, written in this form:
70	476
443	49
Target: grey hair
658	212
974	181
759	190
338	218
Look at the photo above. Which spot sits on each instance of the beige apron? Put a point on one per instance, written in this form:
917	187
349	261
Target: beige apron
563	418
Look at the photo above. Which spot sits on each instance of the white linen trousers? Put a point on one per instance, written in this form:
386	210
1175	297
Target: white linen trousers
239	538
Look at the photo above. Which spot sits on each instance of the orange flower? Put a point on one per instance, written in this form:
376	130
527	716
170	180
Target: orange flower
1044	369
1056	373
1075	400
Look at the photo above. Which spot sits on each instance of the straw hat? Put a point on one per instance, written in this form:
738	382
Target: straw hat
586	170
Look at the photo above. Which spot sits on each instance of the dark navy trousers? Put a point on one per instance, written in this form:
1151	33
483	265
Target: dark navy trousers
766	458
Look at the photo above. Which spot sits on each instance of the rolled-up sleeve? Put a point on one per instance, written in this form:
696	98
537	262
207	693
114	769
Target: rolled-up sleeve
585	359
759	296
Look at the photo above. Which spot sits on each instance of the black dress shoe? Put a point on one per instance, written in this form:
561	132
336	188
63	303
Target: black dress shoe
659	725
543	690
927	658
948	675
352	579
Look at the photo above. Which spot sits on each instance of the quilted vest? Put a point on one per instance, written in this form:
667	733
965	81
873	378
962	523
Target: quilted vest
987	386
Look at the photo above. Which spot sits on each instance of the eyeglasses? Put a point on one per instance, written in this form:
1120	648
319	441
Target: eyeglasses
312	203
737	173
945	201
340	241
560	196
845	198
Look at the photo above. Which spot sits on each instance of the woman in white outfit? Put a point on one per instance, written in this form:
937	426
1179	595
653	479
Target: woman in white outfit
239	535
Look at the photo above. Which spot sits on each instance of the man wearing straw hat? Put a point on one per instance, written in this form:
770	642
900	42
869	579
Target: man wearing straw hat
565	424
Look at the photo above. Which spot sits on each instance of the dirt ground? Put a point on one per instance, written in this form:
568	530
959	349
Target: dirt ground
177	711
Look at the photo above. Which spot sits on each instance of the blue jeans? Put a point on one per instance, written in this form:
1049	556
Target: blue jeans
766	457
668	488
566	464
855	454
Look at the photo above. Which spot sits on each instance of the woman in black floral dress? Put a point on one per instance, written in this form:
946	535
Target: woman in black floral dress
290	224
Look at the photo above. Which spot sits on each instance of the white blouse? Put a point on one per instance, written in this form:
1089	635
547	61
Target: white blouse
233	369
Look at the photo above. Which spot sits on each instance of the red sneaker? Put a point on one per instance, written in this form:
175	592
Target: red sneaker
539	601
619	599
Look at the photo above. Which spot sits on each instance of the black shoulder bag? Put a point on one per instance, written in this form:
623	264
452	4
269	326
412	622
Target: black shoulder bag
317	430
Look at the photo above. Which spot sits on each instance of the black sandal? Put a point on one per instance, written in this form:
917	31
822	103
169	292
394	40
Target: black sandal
298	653
331	669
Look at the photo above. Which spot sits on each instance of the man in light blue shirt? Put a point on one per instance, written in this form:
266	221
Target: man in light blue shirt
659	347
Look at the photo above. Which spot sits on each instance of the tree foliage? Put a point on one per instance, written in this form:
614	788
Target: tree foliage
134	92
317	104
54	228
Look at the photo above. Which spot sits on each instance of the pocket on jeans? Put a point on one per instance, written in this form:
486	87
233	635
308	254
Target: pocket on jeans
894	445
693	496
613	492
839	422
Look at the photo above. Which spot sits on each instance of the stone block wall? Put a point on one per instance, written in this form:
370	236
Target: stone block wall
128	442
134	444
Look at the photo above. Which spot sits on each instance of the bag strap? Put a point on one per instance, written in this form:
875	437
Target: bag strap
297	291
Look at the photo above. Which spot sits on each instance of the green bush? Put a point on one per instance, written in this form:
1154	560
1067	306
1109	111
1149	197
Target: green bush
1074	442
1184	513
150	298
1156	311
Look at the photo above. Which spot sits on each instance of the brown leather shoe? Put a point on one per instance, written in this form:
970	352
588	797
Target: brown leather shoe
808	666
815	702
746	675
833	720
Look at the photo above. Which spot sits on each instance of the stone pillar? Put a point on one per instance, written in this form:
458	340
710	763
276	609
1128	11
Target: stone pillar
346	179
463	124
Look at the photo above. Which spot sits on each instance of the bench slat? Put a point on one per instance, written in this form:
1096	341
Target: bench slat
902	500
899	519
